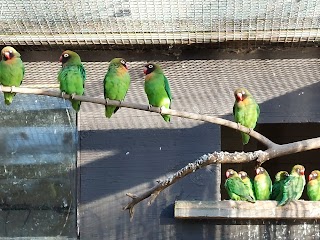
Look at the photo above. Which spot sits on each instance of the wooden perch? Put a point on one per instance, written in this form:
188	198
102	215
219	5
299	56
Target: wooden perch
273	150
229	209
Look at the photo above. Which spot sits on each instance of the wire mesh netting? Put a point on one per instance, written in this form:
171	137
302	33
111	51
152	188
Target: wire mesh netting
87	22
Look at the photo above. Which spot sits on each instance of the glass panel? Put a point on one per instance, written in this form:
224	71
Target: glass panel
38	147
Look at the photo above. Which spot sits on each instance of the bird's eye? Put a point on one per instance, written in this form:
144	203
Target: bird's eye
150	66
65	55
10	51
123	62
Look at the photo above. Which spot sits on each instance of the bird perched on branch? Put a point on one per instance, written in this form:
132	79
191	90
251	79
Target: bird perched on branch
248	182
262	184
72	76
277	187
293	185
236	188
116	83
313	186
11	71
157	88
246	111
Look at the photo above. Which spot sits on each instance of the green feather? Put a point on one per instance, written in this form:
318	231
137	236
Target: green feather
262	184
157	89
116	83
236	189
293	185
11	71
313	186
246	111
277	187
72	76
248	182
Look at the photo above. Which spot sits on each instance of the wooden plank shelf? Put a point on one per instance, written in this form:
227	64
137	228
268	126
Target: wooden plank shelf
227	209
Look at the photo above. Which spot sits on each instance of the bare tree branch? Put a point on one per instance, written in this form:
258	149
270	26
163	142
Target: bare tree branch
211	119
273	150
205	160
223	157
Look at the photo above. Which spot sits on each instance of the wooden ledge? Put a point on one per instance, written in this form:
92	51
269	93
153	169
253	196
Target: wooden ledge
244	210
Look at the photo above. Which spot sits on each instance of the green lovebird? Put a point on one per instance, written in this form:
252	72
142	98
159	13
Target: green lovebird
248	182
293	185
277	187
313	186
262	184
72	76
157	88
116	83
11	71
236	188
245	111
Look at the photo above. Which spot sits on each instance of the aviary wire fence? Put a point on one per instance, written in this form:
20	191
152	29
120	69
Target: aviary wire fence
95	22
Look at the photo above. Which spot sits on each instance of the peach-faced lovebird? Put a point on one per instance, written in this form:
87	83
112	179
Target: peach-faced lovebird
245	111
72	76
313	186
11	71
248	182
277	187
157	88
262	184
236	188
116	83
293	185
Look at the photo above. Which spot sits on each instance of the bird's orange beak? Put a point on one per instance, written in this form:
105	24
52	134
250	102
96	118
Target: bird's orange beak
60	59
227	174
145	70
302	172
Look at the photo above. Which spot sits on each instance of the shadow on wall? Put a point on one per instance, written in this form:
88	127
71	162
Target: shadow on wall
117	161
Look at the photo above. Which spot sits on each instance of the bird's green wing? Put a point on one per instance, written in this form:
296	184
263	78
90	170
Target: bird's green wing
236	186
83	73
288	190
258	110
167	87
276	188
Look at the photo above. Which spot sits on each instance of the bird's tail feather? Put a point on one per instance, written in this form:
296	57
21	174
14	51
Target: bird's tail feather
8	97
110	110
76	105
166	118
245	138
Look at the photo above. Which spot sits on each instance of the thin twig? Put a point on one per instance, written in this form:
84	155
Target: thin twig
223	157
205	160
216	120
